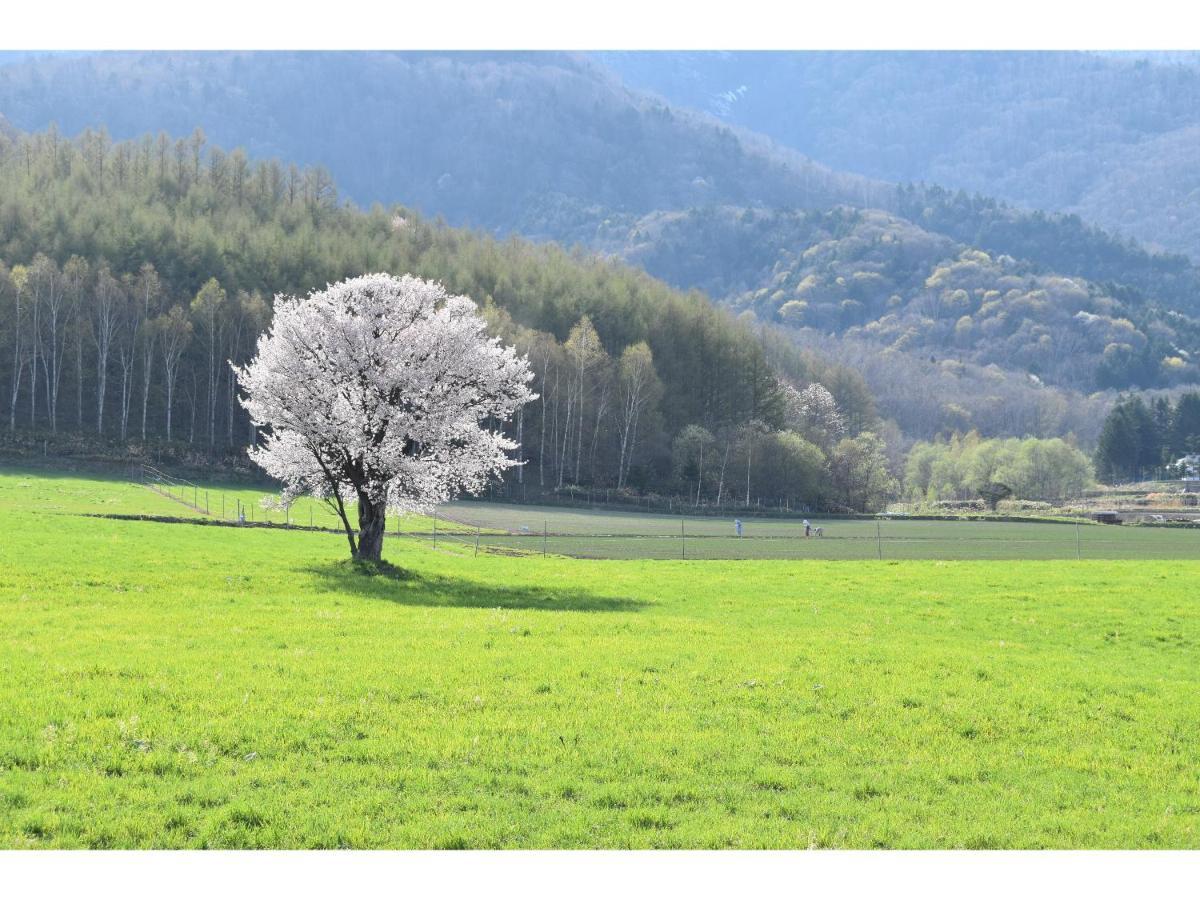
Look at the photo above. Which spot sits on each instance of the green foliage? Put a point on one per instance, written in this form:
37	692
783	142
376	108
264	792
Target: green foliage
969	467
859	473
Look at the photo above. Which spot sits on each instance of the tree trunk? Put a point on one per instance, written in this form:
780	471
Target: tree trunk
170	399
749	457
101	389
372	517
521	445
721	482
79	383
146	370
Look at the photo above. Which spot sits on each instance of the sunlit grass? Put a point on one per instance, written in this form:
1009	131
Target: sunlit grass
171	685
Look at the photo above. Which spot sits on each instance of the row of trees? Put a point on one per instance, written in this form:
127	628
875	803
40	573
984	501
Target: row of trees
605	420
90	349
968	467
1143	440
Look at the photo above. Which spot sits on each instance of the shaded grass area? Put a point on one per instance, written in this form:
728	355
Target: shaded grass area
414	588
178	686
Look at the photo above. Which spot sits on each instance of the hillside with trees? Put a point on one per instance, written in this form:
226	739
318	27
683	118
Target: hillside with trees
869	274
133	271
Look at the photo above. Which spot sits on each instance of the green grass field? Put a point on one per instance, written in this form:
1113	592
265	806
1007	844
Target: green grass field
170	685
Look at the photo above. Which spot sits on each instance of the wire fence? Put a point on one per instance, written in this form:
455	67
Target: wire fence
845	540
481	528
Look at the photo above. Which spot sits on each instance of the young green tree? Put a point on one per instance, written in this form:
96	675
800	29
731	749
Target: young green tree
692	445
209	312
859	475
639	391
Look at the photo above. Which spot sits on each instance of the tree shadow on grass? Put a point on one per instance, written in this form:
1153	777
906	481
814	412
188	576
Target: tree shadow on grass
384	581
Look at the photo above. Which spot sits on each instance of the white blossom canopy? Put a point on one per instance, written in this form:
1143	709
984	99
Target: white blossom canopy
381	389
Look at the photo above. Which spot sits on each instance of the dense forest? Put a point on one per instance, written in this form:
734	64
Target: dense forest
134	270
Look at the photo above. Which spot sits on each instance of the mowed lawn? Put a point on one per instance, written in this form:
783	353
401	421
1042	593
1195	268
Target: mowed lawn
173	685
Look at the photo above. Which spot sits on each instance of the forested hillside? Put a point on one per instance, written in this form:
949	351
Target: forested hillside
1113	138
133	271
874	275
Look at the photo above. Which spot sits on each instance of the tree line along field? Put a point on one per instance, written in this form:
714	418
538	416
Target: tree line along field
169	685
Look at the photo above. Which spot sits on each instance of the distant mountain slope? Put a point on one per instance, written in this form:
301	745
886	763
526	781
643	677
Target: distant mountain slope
884	279
546	145
1113	138
512	142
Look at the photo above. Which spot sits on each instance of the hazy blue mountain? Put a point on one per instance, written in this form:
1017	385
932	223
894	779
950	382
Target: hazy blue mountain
1112	137
535	143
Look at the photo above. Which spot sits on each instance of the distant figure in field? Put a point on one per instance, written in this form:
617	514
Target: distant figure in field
819	531
807	529
737	526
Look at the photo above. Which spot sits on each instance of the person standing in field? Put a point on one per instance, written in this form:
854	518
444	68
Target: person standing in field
737	526
807	529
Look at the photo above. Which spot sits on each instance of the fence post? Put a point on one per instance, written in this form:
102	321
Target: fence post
435	529
878	539
682	538
476	540
1078	554
545	535
206	510
222	504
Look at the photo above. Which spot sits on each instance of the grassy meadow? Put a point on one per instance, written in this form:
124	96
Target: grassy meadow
173	685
